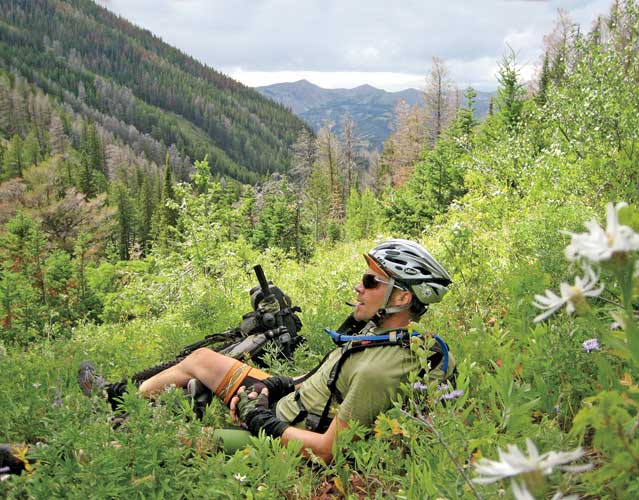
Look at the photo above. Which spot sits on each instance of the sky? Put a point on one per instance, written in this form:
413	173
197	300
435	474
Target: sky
346	43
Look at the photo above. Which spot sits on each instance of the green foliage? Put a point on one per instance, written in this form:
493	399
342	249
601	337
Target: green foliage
363	215
490	201
280	225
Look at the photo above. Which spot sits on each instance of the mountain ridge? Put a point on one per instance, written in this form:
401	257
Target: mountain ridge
372	109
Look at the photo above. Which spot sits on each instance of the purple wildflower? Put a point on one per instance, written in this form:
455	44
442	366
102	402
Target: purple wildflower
3	476
451	395
591	345
420	387
4	469
615	326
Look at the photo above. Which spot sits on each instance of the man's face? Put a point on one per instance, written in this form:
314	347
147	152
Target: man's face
369	300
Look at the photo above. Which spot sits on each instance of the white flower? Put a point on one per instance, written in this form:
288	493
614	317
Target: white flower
560	496
520	491
239	477
572	296
513	463
600	245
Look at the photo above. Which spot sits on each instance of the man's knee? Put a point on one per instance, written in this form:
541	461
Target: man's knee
203	357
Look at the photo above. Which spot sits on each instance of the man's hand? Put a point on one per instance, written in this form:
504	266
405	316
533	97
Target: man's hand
252	409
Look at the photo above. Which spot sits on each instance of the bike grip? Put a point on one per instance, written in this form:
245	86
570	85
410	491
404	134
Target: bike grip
259	273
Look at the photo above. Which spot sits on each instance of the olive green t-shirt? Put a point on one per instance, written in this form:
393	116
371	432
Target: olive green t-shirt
368	382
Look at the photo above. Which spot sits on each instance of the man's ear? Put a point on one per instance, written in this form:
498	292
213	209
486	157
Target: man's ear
403	297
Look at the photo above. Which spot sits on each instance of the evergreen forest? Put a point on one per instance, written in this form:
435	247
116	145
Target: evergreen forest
138	188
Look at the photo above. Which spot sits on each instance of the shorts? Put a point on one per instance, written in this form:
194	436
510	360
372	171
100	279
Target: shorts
238	375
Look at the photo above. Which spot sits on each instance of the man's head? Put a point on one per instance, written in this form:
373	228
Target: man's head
404	280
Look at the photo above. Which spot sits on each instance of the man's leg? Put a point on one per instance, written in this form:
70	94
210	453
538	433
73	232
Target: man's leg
208	366
221	374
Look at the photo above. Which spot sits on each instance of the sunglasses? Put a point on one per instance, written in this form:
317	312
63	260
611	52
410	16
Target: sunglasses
371	281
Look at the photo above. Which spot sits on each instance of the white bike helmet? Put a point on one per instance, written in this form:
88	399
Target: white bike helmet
410	266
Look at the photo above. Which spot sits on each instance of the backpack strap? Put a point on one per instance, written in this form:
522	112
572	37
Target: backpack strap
350	345
320	423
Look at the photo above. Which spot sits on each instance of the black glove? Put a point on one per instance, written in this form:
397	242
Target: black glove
278	387
256	414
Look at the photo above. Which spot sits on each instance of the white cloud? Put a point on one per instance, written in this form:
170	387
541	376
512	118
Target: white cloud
340	41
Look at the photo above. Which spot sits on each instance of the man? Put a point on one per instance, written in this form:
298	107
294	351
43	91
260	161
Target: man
356	381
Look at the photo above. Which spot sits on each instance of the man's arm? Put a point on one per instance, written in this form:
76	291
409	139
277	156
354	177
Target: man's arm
320	444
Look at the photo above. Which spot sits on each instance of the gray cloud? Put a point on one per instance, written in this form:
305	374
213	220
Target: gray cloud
353	35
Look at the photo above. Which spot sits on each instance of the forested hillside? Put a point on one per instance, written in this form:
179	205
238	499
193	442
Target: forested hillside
127	78
534	212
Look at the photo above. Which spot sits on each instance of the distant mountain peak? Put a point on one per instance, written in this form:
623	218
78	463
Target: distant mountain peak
371	109
366	86
304	81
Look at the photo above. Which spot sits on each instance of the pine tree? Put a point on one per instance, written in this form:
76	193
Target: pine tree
6	126
23	248
91	146
510	94
466	120
168	212
146	204
12	159
125	220
31	154
86	181
544	82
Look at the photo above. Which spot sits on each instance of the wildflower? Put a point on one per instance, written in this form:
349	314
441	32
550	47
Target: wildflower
591	345
513	463
36	384
601	245
420	387
560	496
451	395
572	296
520	491
239	477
